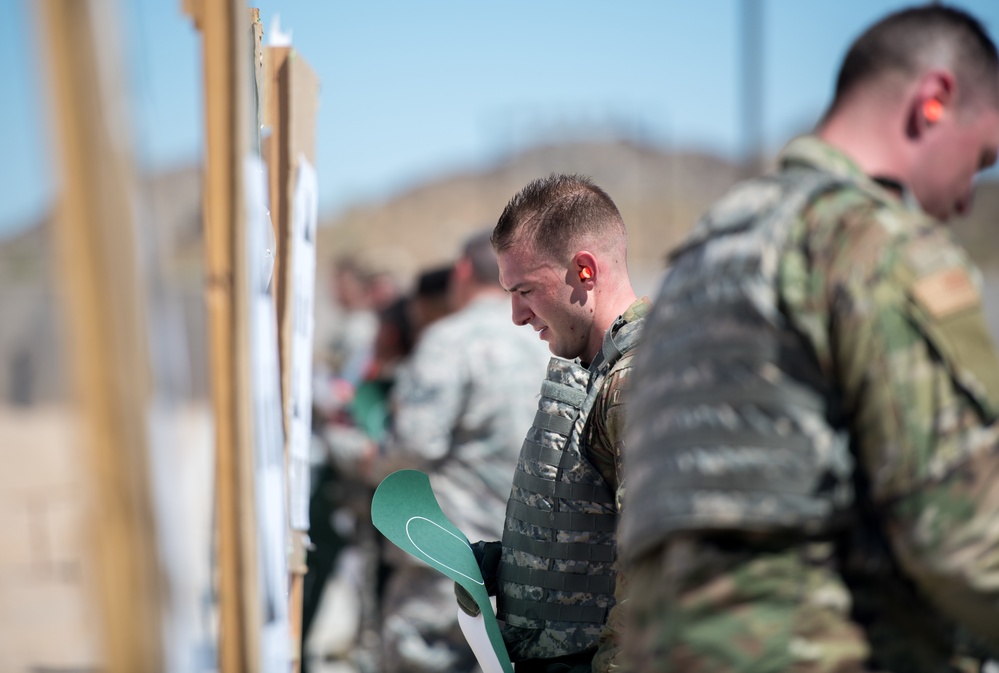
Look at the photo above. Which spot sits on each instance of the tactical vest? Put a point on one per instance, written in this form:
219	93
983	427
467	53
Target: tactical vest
557	572
733	425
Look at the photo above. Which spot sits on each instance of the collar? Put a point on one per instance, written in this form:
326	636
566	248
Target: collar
638	309
609	350
812	151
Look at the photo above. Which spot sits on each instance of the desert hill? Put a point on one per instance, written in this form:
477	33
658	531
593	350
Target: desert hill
659	195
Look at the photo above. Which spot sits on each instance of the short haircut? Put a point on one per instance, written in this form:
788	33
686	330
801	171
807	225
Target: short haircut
433	282
911	40
555	213
396	315
478	249
350	265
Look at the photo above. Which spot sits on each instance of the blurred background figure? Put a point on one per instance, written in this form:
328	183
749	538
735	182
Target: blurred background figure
393	343
430	300
353	378
383	288
349	349
347	571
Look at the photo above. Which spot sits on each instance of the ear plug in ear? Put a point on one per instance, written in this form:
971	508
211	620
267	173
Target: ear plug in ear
933	110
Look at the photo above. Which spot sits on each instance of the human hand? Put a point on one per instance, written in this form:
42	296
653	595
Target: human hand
487	556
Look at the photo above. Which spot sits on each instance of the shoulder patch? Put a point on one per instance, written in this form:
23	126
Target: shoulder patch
945	292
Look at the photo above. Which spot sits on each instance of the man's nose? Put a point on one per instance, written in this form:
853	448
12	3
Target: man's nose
521	314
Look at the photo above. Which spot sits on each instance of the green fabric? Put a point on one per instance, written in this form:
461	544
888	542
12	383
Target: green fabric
406	511
370	408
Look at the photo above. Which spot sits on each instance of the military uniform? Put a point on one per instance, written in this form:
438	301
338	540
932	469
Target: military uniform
557	572
814	454
460	407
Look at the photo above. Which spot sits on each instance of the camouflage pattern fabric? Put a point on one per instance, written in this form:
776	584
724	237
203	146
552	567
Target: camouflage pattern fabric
461	406
545	615
890	306
605	430
605	444
350	349
741	435
597	460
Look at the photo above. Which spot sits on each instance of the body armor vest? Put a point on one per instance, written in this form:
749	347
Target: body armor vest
733	424
557	573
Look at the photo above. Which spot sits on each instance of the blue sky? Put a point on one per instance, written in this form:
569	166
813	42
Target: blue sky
412	90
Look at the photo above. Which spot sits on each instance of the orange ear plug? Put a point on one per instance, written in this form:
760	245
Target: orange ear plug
933	110
585	273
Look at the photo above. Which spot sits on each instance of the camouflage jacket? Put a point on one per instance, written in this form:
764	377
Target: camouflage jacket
605	449
889	306
605	427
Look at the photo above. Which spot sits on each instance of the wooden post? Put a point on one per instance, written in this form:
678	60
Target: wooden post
291	104
290	107
229	138
103	301
257	40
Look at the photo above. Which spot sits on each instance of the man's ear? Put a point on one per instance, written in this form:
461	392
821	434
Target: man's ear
462	269
585	266
931	103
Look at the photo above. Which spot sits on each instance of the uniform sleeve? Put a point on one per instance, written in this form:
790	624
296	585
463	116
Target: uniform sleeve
426	403
606	452
606	440
608	658
920	381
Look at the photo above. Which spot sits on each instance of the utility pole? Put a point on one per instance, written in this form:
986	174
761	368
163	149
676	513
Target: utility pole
751	62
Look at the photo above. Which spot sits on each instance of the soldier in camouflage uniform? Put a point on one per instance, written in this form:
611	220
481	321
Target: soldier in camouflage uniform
460	407
562	249
814	449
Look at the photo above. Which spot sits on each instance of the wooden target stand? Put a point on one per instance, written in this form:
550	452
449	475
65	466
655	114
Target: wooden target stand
248	87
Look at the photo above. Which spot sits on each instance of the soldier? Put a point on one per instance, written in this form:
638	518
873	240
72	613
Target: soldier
814	468
562	249
459	406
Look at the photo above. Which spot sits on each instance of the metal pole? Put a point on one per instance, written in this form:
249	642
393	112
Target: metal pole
751	62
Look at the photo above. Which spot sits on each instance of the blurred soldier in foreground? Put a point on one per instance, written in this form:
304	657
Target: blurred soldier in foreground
460	406
814	466
562	248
